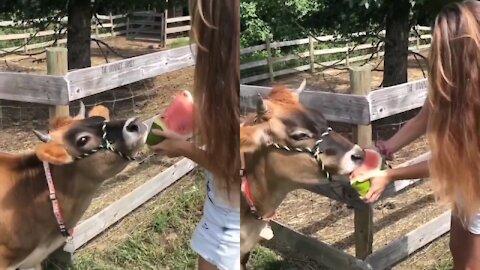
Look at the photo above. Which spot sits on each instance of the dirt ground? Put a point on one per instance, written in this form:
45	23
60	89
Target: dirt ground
309	213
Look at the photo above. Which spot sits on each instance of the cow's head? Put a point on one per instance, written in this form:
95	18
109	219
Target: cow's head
281	119
76	141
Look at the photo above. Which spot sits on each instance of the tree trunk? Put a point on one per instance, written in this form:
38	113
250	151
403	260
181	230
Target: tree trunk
396	43
78	34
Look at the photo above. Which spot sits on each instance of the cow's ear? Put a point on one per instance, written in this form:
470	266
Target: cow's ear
252	138
100	110
53	153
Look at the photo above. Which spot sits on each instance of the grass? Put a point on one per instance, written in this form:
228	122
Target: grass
444	265
164	243
180	42
266	259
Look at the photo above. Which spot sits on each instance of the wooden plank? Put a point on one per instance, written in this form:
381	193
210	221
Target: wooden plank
103	17
292	240
339	190
291	57
397	99
253	64
105	25
94	80
255	78
120	16
344	108
287	43
14	36
178	19
98	223
178	29
118	25
253	49
424	28
302	41
401	248
145	22
291	70
146	14
43	89
144	31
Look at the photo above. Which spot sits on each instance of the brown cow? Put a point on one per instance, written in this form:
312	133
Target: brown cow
285	147
80	158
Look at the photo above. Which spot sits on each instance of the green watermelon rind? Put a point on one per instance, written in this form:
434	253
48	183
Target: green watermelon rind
362	188
153	139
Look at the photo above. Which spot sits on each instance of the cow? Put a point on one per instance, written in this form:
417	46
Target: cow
285	146
45	192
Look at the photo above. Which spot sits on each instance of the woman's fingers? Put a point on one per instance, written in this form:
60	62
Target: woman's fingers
169	134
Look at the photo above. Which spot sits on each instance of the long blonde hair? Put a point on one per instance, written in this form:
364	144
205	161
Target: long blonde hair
216	32
454	94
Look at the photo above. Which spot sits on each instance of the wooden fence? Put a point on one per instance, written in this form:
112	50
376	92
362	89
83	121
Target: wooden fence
60	90
143	24
156	26
360	109
340	55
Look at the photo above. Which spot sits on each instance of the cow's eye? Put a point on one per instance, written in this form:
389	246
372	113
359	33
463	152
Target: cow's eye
299	136
82	141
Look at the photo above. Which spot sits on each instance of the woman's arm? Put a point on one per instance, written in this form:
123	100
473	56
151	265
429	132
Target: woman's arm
199	156
419	170
381	179
411	131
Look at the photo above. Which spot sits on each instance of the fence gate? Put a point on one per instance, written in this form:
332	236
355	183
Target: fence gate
146	26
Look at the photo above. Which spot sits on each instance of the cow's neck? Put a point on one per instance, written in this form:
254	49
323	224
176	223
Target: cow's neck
74	191
268	189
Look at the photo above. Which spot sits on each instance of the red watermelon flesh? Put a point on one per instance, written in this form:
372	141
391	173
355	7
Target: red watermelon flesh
373	161
178	117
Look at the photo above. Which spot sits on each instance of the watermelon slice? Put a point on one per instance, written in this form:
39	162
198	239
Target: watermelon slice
178	117
373	161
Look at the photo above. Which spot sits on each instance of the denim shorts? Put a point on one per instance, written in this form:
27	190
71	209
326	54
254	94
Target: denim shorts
217	237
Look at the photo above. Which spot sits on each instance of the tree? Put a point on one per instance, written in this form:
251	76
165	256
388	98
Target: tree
298	19
79	12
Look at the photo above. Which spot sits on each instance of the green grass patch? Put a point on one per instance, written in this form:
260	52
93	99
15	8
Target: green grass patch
180	42
446	264
263	258
163	244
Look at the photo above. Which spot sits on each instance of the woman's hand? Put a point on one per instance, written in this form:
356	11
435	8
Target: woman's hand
173	145
379	181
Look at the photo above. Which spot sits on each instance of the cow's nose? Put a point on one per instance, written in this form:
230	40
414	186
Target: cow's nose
358	156
135	126
132	127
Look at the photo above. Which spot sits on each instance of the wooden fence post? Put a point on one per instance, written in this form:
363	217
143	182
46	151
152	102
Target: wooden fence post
128	27
360	82
269	60
112	30
347	60
165	25
57	64
25	41
96	29
311	41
